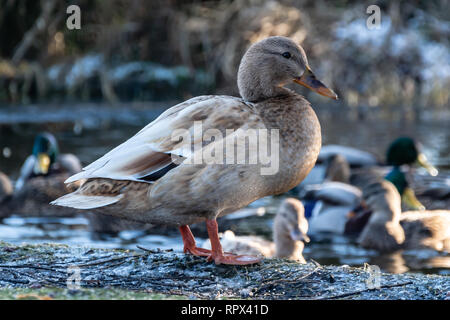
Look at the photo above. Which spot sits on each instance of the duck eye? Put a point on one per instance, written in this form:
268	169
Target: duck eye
287	55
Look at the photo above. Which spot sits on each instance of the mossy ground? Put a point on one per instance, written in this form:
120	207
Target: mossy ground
82	294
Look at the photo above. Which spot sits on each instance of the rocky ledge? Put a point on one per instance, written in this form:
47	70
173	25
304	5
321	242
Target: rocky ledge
50	271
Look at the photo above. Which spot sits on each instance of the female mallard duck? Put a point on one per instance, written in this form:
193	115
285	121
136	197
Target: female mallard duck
289	233
154	177
389	229
42	178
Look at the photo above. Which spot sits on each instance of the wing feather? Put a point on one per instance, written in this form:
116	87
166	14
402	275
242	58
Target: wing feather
154	148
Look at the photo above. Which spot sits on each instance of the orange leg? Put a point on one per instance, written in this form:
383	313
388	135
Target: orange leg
189	243
217	253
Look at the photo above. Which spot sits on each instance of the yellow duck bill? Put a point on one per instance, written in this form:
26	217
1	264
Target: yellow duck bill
309	80
423	161
43	164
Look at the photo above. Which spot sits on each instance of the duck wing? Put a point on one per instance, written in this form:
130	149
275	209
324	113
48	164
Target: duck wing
159	146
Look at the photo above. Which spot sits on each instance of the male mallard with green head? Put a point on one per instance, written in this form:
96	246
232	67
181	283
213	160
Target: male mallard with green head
336	206
153	179
42	179
46	161
405	151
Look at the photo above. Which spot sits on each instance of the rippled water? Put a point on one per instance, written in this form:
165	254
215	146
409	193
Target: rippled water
90	139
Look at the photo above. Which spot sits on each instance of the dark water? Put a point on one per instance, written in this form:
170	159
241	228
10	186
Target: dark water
89	137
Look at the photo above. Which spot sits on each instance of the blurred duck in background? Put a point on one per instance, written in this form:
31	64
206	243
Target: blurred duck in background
336	205
45	161
42	179
329	204
334	163
6	191
389	229
402	154
6	187
405	151
289	233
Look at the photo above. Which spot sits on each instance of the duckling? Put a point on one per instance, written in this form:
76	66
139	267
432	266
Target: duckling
389	229
289	233
157	178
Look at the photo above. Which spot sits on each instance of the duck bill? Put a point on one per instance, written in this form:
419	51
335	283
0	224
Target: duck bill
423	161
309	80
43	163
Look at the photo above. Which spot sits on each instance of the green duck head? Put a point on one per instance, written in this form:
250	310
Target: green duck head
45	149
405	150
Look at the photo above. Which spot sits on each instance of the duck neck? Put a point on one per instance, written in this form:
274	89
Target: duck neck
285	247
256	82
297	127
398	179
260	92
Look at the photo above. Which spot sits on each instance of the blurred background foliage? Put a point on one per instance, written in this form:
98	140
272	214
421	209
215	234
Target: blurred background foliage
171	49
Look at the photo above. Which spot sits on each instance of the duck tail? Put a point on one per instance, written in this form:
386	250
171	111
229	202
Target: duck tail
81	201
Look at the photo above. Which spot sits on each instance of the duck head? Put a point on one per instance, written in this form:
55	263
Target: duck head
405	150
270	64
290	221
45	149
337	169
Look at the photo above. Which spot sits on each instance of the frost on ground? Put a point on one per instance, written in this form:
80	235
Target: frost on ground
165	273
